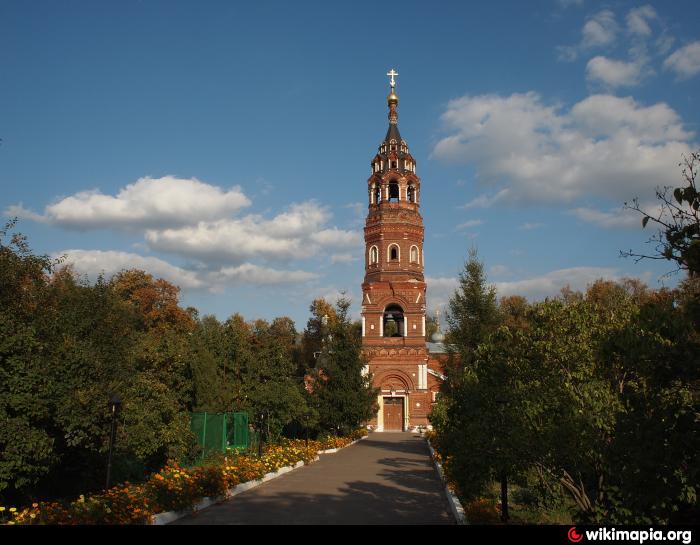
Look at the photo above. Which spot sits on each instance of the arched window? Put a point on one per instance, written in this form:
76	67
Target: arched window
394	252
411	194
377	194
393	191
393	325
373	255
414	254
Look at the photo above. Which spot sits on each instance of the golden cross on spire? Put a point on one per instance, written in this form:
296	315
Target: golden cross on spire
392	73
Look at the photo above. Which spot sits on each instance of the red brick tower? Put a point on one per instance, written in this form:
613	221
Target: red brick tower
393	291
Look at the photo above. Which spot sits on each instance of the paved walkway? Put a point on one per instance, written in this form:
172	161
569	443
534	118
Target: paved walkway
387	478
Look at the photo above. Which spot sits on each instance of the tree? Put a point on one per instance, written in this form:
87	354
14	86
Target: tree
323	316
656	359
273	393
473	416
431	326
342	393
472	310
678	220
67	346
26	448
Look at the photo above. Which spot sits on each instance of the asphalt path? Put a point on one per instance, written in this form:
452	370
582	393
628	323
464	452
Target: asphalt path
387	478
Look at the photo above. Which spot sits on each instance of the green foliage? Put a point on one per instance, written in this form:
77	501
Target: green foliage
677	220
342	397
68	345
469	421
593	393
473	312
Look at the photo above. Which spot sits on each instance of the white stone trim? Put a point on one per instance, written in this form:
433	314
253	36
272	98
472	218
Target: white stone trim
369	255
436	374
422	376
452	499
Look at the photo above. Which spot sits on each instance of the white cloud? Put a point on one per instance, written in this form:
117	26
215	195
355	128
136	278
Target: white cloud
439	292
499	270
337	238
441	289
614	73
617	218
247	273
333	294
19	211
606	116
610	219
344	258
638	20
664	43
599	30
294	234
92	263
486	201
550	284
685	62
468	224
95	262
604	146
148	202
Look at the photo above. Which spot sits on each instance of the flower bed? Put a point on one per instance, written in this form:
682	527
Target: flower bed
173	488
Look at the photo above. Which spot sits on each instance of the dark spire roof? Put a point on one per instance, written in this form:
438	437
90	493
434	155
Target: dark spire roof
393	145
392	133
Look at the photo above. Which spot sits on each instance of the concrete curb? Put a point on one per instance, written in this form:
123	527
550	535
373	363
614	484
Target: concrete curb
167	517
452	499
333	450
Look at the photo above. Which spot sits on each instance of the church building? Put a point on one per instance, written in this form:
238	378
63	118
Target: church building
406	369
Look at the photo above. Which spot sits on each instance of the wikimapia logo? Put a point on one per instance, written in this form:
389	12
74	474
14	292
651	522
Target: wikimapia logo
573	535
637	536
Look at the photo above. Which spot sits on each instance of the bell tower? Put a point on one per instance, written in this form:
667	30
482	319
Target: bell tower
393	291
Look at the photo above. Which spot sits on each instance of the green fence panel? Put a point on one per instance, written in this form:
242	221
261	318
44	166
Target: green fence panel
237	430
215	432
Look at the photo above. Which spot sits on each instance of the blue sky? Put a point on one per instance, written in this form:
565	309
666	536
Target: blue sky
226	147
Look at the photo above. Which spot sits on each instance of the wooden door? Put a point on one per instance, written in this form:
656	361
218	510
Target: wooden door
393	414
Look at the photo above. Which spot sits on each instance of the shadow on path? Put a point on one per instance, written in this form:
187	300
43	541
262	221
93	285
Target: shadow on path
386	479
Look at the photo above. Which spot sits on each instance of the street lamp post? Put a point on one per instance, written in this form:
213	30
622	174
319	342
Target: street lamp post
503	403
306	426
115	403
261	432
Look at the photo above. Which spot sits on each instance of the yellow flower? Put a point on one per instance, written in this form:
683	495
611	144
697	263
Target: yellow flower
2	509
13	509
